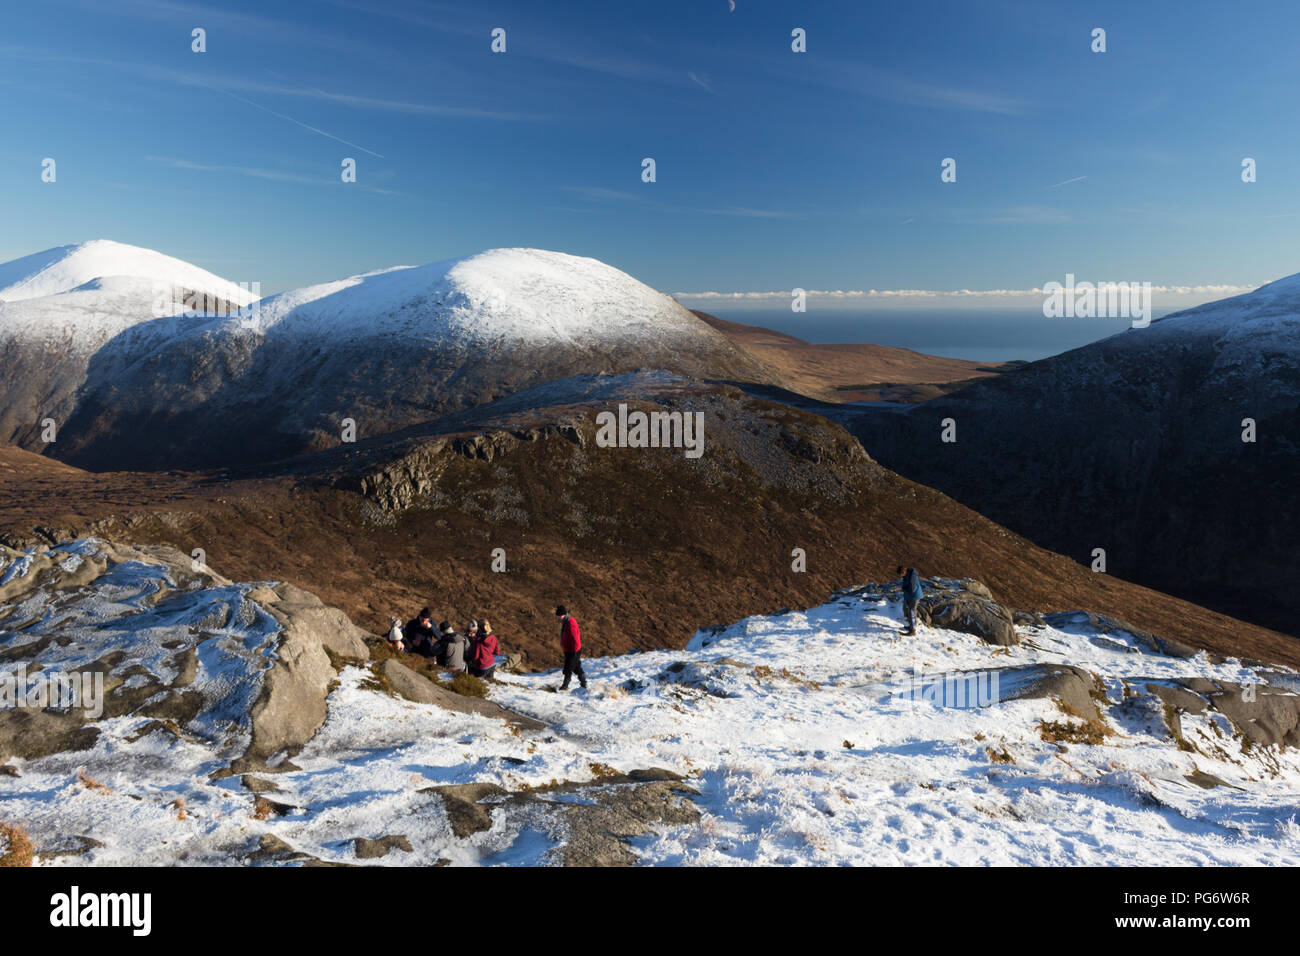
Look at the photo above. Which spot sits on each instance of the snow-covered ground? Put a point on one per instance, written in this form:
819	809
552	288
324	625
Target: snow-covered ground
800	731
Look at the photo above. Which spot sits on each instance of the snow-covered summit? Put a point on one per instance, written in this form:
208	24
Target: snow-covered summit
65	268
1270	312
518	295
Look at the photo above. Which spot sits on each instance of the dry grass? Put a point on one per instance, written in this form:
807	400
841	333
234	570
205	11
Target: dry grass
999	756
90	783
1172	722
360	569
179	806
1098	693
764	673
1082	731
262	809
467	685
378	681
15	847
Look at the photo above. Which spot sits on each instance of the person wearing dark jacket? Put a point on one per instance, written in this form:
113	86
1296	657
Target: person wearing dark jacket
911	594
419	633
483	652
571	644
452	648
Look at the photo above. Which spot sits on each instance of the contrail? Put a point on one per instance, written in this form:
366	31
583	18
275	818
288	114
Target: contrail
292	120
1067	182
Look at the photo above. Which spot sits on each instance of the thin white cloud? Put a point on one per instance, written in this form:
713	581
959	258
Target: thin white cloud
274	175
597	194
357	101
880	84
244	85
743	211
703	84
950	294
234	24
1066	182
1018	215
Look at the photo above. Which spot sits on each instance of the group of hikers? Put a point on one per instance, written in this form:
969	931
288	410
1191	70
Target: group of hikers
475	650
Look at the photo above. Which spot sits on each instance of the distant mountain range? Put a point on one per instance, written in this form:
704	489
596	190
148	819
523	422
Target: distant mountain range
1132	445
85	344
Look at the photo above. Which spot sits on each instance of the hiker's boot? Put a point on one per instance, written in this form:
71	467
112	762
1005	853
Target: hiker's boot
564	686
584	684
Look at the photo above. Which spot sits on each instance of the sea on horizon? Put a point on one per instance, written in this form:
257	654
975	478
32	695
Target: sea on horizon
981	335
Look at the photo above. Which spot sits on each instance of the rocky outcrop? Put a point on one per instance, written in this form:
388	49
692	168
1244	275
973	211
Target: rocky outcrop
465	813
377	849
598	819
303	613
552	427
1263	715
1073	686
126	629
967	606
416	687
398	484
1107	625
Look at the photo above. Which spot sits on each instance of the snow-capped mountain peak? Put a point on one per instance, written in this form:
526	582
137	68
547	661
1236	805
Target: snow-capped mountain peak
516	294
65	268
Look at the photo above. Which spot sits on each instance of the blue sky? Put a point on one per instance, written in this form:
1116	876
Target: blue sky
775	169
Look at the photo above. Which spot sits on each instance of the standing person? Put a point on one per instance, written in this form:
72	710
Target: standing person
911	594
571	644
419	633
452	648
484	651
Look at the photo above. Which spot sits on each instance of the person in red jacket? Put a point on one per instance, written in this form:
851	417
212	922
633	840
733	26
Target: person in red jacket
571	644
483	656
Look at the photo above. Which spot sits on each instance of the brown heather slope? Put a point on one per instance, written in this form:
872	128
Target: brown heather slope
853	372
645	545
